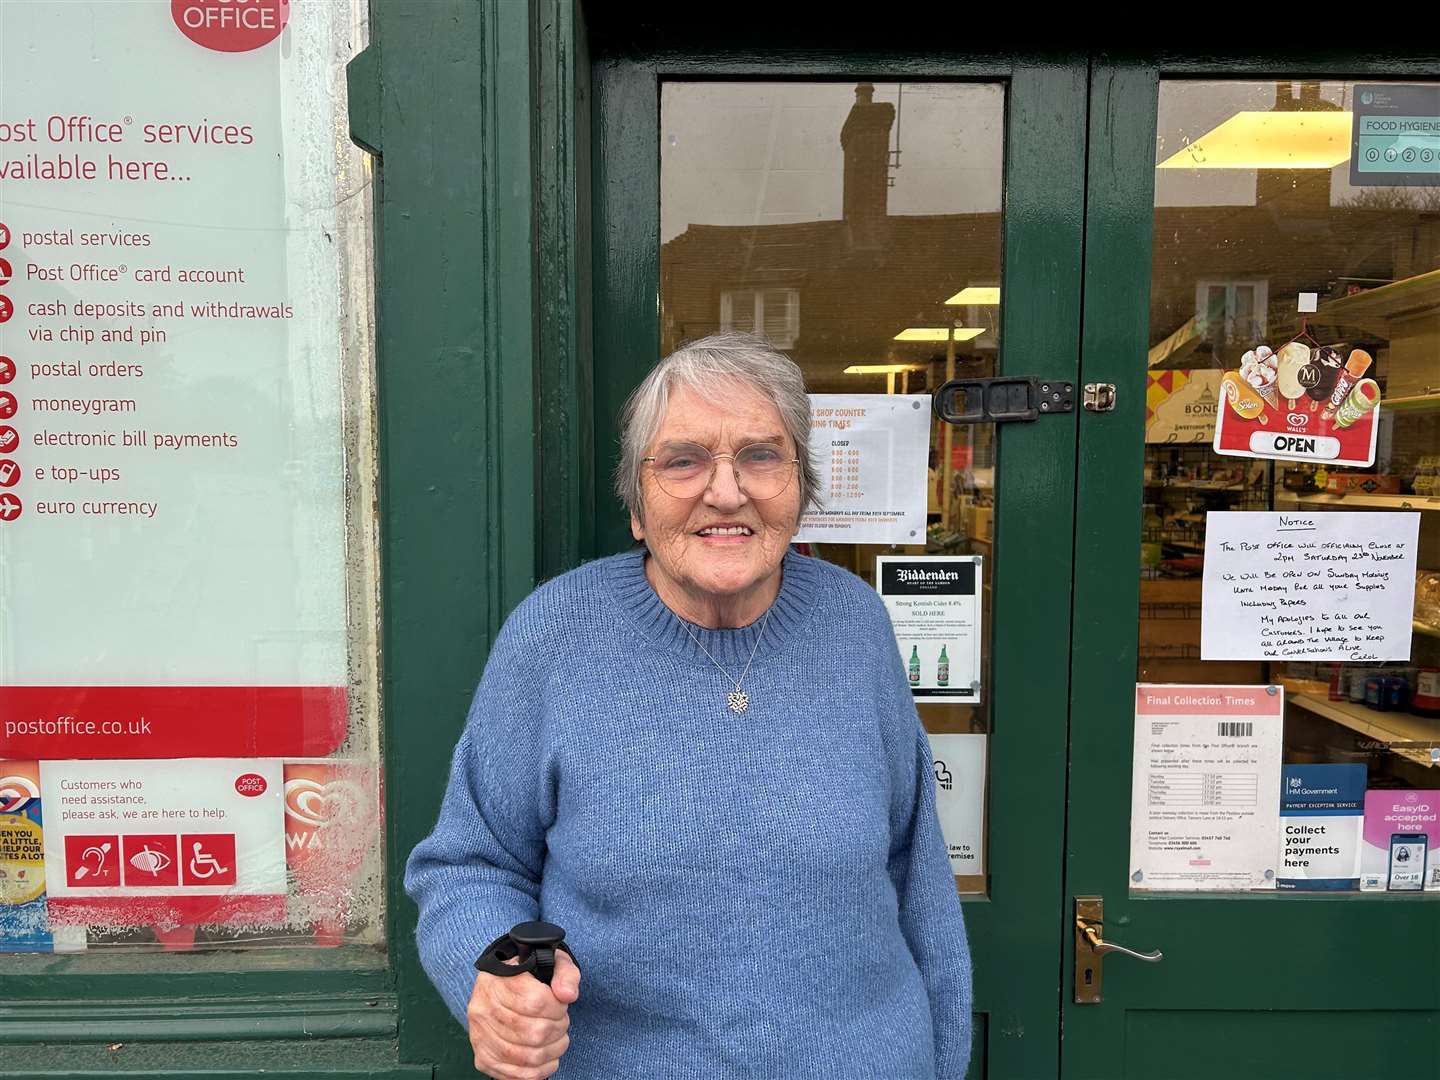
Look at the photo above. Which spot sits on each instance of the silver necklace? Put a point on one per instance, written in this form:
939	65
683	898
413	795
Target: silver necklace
737	699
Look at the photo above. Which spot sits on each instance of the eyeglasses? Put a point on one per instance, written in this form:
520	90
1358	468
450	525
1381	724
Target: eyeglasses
685	471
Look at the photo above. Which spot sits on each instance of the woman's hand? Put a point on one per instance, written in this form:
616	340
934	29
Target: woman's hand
518	1025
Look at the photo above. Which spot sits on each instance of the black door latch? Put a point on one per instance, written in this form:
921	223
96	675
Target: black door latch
1002	400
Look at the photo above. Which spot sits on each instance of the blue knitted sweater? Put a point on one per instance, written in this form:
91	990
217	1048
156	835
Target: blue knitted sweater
754	895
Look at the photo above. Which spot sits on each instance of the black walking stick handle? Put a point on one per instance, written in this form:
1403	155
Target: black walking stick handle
533	944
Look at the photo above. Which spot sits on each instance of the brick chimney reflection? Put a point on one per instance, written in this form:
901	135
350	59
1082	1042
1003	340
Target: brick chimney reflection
1296	192
865	139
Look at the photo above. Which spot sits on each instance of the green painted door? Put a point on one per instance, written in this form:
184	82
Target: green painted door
838	207
1202	242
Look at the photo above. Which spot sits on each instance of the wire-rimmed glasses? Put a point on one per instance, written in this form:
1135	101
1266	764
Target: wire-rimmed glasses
684	470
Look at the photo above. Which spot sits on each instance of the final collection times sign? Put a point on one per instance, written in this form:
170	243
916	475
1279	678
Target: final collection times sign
172	498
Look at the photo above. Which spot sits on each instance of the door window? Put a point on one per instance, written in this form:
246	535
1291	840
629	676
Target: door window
1295	284
858	228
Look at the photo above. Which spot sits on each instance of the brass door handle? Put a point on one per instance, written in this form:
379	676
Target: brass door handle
1091	947
1100	945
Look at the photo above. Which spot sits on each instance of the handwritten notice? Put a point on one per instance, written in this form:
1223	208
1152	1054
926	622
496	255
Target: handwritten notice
1321	586
872	451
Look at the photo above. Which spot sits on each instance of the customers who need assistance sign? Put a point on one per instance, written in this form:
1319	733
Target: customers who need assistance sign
1308	586
172	499
935	606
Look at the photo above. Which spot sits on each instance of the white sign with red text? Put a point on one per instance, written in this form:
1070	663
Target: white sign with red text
164	843
172	518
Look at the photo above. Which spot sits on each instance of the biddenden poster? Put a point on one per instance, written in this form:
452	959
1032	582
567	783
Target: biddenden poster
172	533
935	606
1205	787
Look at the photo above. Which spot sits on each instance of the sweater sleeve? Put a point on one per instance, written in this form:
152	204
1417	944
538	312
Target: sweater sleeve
478	872
931	917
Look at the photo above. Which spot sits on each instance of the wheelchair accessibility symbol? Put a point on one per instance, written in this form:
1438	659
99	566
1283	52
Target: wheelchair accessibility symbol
208	858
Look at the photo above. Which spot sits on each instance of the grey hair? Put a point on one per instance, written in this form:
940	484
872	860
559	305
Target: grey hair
705	365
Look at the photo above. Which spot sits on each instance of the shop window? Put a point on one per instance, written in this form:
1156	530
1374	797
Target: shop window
189	706
773	313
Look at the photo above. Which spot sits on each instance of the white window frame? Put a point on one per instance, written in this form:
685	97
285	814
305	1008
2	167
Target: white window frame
792	321
1262	307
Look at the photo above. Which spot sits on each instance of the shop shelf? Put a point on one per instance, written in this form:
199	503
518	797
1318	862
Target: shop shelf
1359	498
1414	403
1375	308
1381	726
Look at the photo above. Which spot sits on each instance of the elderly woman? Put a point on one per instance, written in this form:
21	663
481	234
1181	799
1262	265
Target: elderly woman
701	758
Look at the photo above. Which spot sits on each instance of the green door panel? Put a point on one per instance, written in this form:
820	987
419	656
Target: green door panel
1320	1045
1014	931
1251	986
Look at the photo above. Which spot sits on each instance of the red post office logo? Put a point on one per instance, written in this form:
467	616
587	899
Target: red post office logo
250	784
231	25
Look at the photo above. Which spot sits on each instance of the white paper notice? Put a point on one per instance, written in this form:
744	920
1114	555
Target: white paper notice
960	799
934	605
873	456
1204	804
1318	586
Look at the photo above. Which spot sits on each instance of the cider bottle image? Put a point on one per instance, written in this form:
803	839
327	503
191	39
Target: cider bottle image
942	672
914	665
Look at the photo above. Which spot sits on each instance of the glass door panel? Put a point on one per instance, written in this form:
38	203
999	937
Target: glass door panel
858	228
1316	280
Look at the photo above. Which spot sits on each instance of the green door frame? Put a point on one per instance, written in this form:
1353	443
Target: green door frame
1224	955
1013	931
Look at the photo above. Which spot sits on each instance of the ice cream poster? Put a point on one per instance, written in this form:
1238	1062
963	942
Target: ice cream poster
1302	403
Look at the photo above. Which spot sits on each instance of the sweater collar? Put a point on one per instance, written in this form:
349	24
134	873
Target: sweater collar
632	592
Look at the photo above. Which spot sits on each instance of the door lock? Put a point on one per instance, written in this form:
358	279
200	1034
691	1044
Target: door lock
1099	396
1002	400
1091	947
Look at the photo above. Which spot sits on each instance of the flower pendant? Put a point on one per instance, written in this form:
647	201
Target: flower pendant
738	701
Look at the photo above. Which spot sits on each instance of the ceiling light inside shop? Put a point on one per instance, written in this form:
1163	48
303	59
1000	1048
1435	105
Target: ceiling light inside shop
1269	140
939	333
882	369
987	295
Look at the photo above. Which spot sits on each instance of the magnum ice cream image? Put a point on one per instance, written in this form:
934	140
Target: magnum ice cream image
1325	365
1242	397
1293	359
1345	380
